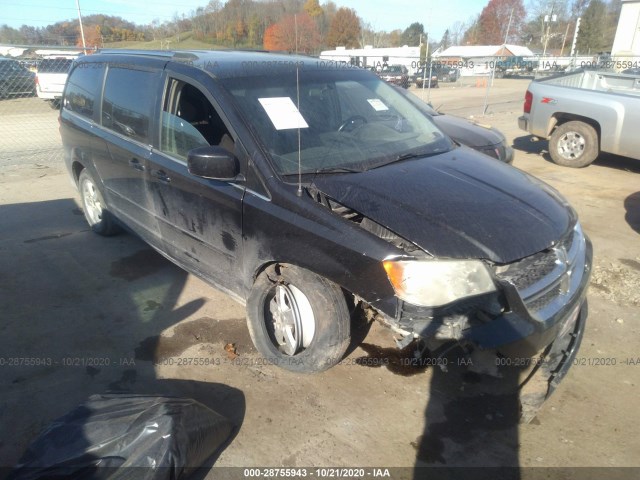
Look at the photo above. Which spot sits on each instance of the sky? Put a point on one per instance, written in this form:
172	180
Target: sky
387	15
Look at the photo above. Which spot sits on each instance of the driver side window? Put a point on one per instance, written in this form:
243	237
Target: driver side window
190	121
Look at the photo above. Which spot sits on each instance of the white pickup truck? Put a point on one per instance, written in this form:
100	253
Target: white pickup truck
51	77
583	114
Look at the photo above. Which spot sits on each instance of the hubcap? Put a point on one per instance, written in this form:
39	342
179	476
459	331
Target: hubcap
293	319
571	145
92	204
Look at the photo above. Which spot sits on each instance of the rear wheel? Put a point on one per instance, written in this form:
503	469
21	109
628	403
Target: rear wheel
298	320
95	212
574	144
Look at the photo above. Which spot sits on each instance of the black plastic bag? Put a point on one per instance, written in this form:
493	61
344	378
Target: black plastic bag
126	436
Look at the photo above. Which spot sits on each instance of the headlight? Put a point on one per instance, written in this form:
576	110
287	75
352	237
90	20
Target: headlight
432	283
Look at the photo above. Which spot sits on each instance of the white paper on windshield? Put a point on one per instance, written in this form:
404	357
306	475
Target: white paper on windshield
283	113
377	104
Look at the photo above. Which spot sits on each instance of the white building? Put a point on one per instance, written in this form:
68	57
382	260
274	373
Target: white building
369	57
627	40
479	59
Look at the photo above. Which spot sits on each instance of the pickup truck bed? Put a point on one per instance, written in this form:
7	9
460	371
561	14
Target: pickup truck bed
583	114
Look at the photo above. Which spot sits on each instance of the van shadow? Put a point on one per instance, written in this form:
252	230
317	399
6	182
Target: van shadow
471	424
632	207
541	147
75	307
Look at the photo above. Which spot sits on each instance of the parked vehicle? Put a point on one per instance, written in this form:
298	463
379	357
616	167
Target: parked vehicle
483	138
51	77
447	73
15	79
422	77
632	71
395	74
583	114
354	199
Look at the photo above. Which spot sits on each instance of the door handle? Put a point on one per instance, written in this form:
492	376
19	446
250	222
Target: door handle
161	175
136	165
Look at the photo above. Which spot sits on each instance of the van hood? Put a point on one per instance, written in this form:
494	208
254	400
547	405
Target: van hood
459	204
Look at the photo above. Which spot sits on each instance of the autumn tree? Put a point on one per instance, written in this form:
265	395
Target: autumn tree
313	8
282	35
491	26
92	36
344	29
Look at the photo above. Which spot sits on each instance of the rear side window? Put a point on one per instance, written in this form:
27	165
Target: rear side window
83	88
128	102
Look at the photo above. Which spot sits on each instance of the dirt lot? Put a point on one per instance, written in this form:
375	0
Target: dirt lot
110	314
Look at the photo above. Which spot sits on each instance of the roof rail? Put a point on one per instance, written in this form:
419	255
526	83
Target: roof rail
149	53
180	55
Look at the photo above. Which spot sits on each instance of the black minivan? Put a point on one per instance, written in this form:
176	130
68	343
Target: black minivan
304	188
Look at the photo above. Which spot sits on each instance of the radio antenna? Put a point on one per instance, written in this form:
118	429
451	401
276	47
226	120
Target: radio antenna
299	192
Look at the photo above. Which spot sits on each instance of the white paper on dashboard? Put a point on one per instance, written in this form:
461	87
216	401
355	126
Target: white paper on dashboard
283	113
377	104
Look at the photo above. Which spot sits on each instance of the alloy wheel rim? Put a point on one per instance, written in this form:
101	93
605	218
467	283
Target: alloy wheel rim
293	319
92	202
571	145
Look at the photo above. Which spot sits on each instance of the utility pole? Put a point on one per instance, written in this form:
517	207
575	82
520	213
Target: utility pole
575	37
493	70
564	39
84	45
548	19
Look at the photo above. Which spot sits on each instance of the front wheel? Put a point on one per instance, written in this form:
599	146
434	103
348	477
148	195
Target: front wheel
95	212
298	320
574	144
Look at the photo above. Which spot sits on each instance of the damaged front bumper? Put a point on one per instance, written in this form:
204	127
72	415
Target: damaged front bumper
539	313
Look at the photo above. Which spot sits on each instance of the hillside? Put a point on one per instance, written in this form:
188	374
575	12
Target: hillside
183	41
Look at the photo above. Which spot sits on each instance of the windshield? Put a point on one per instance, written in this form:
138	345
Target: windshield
349	121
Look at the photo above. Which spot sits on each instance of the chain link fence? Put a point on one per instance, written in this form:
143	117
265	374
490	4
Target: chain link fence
31	86
32	82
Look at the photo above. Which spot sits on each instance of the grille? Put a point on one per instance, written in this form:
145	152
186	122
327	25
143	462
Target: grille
545	277
527	271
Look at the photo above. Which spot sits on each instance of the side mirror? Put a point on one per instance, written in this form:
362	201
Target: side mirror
213	162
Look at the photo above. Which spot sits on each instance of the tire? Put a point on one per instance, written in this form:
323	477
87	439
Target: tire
319	326
99	219
574	144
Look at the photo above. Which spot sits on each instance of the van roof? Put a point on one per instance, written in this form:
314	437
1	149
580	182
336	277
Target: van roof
226	63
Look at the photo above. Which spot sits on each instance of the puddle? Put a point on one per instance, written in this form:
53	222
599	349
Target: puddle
140	264
48	237
202	330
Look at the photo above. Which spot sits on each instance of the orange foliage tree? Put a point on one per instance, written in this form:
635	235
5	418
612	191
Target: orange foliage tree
345	29
494	20
282	35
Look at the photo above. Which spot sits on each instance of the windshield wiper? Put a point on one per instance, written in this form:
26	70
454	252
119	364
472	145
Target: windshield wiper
321	171
407	156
